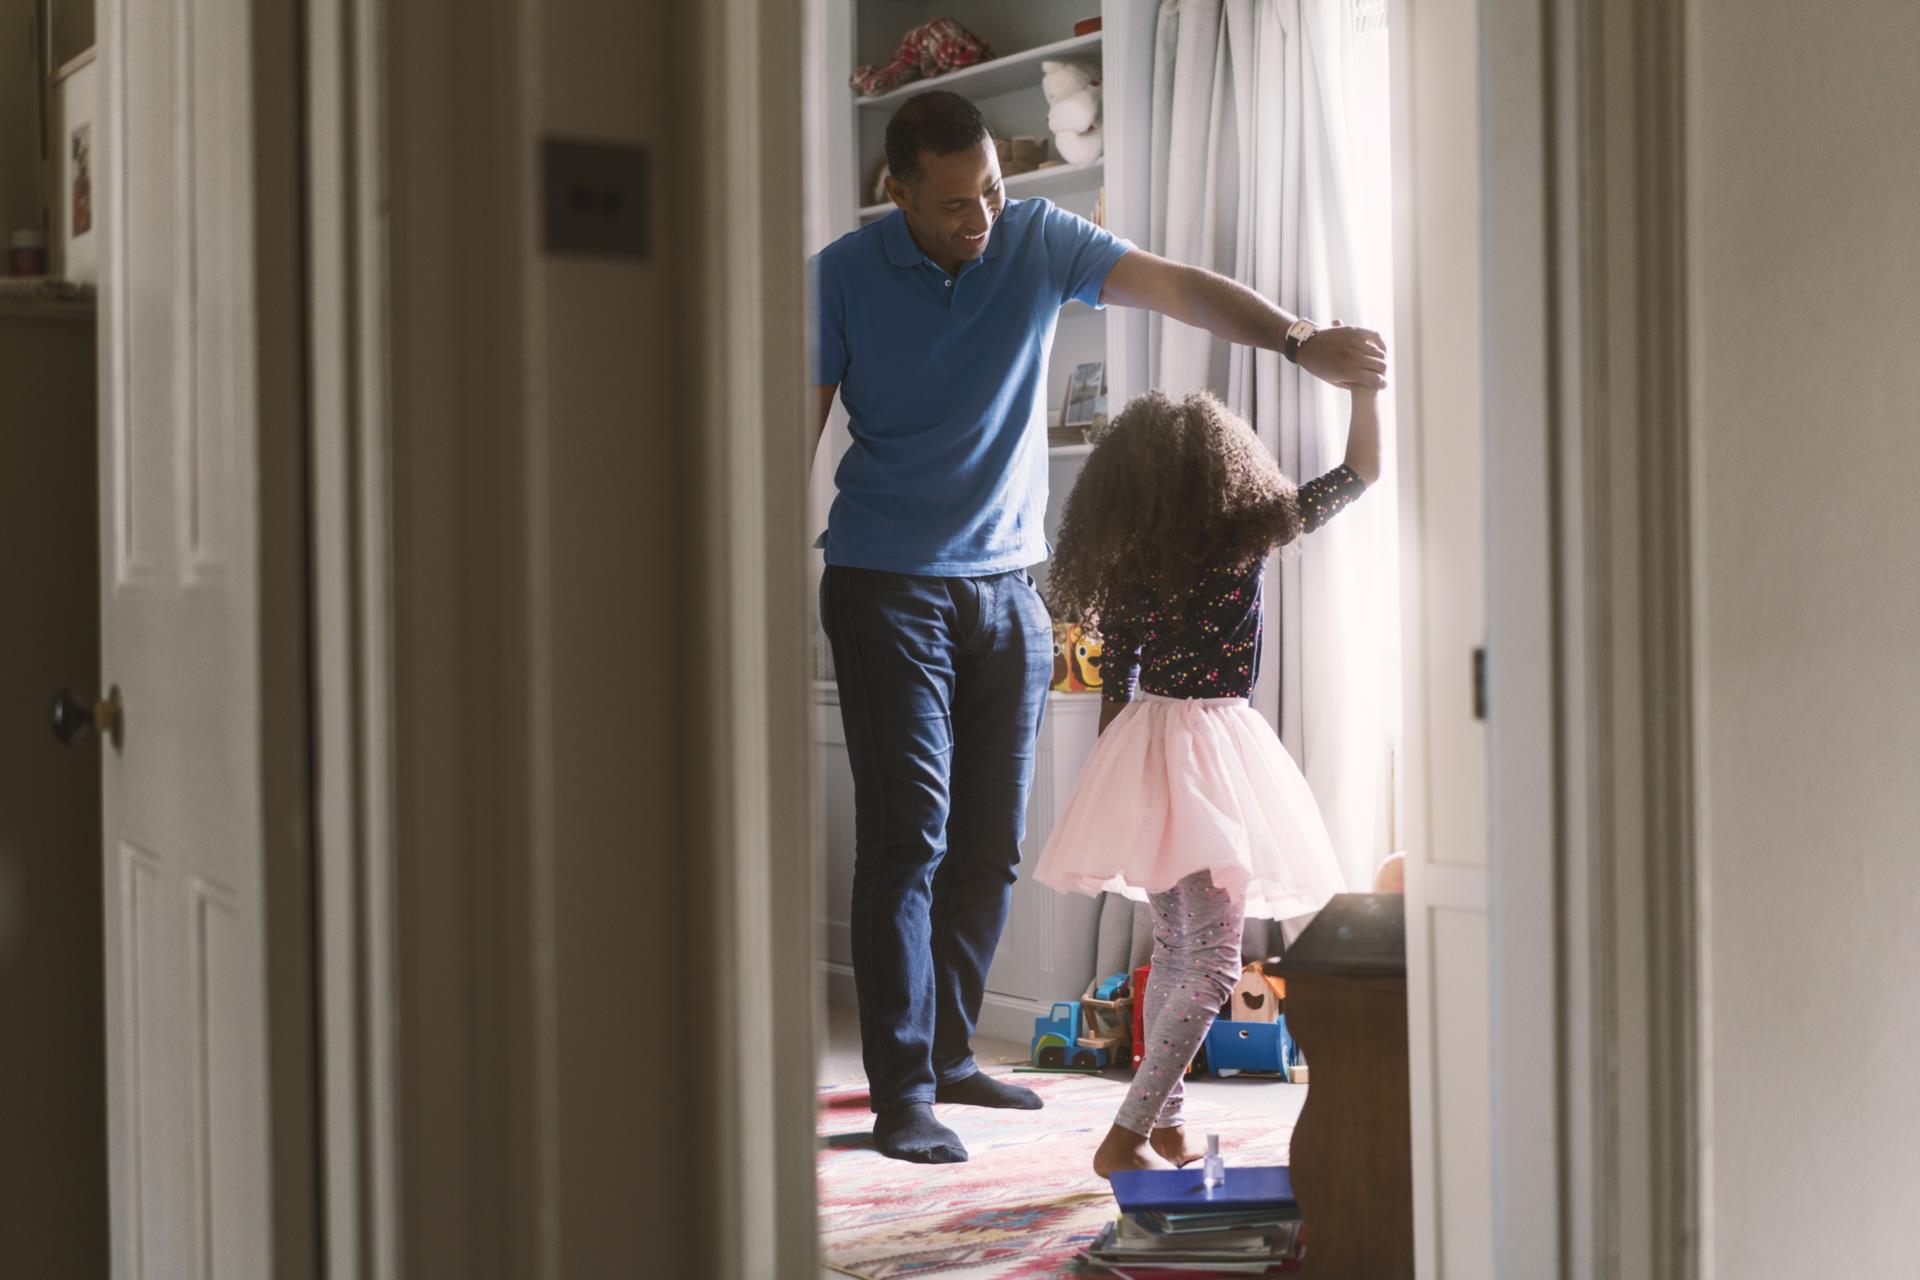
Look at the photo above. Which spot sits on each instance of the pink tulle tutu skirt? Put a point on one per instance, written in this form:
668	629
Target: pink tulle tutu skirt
1176	786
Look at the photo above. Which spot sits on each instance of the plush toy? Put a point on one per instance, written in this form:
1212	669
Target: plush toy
930	50
1073	111
1073	96
1081	149
1076	659
1085	659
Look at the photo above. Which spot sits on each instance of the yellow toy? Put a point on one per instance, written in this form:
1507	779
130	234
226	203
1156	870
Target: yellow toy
1076	658
1086	659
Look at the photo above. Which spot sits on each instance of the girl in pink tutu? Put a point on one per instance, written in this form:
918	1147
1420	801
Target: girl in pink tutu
1188	800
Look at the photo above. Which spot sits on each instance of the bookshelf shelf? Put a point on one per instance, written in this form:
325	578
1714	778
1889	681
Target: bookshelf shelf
1008	74
1041	182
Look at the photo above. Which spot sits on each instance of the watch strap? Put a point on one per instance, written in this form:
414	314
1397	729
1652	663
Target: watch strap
1297	334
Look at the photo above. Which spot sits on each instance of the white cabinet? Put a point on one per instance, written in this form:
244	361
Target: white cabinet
1046	953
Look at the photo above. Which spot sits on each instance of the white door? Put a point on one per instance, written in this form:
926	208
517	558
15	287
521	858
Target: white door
1438	362
181	617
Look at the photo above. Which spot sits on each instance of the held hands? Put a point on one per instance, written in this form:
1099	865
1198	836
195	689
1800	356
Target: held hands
1357	360
1346	357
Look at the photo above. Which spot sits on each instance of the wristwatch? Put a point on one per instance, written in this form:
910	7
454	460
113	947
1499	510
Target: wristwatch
1297	334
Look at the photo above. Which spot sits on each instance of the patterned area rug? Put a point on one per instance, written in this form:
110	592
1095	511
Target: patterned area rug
1021	1209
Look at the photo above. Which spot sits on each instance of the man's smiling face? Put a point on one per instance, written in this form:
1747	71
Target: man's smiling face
952	203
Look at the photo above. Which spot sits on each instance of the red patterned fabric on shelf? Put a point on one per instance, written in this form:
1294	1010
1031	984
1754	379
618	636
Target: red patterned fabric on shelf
927	51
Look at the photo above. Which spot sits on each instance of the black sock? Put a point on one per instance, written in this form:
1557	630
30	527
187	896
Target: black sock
982	1090
911	1133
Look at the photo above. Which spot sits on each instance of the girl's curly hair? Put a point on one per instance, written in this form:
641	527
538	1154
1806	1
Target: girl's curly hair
1172	491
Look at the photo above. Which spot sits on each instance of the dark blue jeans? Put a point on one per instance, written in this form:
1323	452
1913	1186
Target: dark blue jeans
942	685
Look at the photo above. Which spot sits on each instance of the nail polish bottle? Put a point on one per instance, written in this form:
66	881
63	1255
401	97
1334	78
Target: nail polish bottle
1214	1169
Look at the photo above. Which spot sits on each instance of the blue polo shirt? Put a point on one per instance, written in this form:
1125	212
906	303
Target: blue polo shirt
945	380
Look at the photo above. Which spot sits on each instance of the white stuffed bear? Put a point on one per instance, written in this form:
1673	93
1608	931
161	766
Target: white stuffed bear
1073	114
1081	149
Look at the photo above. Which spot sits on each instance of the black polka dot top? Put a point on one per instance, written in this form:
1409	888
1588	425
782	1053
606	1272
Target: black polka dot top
1205	642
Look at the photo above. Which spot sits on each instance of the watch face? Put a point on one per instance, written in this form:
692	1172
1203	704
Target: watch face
1301	330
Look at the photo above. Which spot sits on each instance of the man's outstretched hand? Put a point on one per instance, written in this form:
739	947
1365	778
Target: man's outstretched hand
1346	357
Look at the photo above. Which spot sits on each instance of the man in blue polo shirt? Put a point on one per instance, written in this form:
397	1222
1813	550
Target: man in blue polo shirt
933	325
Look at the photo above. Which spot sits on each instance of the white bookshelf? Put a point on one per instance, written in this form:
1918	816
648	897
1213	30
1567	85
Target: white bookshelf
1023	34
1004	74
1046	952
1053	183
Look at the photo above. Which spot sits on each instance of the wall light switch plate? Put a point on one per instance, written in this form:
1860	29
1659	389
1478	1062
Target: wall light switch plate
596	198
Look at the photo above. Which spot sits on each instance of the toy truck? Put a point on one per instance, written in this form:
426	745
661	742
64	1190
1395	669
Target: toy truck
1056	1040
1087	1034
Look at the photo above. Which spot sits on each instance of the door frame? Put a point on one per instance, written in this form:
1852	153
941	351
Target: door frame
289	807
352	635
1595	986
425	767
1599	1136
759	613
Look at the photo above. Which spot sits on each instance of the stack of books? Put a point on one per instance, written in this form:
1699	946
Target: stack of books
1173	1225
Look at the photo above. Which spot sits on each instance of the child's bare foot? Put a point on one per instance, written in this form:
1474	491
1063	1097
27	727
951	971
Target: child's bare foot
1174	1144
1125	1149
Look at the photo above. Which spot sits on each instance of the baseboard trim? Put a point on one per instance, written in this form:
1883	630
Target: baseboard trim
839	984
1002	1017
1009	1018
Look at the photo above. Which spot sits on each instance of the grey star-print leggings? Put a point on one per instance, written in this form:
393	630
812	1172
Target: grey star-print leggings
1196	961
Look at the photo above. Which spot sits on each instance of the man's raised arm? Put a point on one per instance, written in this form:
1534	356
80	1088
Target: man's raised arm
1344	356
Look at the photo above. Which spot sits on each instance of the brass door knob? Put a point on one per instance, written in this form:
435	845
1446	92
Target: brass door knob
72	717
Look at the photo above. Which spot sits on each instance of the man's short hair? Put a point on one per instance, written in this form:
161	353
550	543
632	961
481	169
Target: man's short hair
935	121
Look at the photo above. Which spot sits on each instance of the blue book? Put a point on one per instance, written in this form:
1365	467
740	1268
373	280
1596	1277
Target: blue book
1182	1191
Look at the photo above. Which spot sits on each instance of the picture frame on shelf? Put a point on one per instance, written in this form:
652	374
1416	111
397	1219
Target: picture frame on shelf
1085	410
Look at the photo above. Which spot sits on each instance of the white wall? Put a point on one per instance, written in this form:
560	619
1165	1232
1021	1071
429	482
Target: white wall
1805	121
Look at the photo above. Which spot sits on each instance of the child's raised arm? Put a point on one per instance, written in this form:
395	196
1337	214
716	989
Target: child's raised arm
1363	434
1325	497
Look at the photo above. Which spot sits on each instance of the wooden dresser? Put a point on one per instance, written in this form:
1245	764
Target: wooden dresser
1352	1155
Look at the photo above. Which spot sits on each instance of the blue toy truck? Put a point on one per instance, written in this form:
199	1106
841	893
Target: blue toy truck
1088	1034
1056	1040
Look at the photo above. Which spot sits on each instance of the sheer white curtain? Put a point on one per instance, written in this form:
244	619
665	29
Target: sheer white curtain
1271	165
